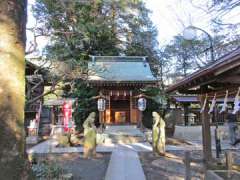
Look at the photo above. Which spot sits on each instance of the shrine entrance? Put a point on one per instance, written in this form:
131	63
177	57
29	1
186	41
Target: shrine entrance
120	110
120	107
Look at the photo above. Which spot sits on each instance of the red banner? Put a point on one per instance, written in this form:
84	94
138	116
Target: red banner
67	115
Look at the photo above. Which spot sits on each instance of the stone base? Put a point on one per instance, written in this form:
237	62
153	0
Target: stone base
32	140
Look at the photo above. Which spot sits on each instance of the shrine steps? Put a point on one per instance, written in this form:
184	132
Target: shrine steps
45	122
126	134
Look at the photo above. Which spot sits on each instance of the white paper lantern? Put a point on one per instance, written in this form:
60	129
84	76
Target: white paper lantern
142	103
101	104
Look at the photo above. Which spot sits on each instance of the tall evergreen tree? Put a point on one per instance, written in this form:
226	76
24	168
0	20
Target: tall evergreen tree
99	28
141	37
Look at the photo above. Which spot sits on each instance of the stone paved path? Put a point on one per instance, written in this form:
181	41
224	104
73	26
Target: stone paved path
124	165
49	146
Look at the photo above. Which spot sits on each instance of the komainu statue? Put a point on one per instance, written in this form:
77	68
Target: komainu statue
90	134
158	134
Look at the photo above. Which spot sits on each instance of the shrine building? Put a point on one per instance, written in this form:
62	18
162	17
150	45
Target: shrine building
119	79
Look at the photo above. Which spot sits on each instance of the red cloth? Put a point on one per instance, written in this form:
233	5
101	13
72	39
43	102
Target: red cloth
67	115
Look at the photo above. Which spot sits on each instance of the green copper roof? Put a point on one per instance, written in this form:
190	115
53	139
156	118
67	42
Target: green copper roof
119	69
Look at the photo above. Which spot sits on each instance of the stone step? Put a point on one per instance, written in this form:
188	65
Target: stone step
45	120
44	129
45	113
124	139
131	130
125	134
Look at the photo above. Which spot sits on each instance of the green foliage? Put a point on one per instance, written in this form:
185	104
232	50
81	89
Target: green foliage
142	39
152	105
147	114
47	170
185	55
78	30
85	104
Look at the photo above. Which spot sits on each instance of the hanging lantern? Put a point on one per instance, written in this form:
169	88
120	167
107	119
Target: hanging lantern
101	104
142	103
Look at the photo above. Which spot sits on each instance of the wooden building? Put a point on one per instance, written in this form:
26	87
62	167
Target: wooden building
119	79
189	106
34	88
36	81
215	78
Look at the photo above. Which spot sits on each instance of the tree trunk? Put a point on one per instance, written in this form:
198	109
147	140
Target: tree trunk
13	15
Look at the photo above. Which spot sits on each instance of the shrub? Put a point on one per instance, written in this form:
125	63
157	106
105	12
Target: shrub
85	103
47	170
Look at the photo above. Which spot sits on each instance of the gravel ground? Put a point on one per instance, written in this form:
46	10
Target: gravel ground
82	169
171	167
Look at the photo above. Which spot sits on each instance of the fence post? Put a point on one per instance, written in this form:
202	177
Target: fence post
229	163
187	162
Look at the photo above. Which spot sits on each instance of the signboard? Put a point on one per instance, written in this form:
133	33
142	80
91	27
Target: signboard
142	103
101	104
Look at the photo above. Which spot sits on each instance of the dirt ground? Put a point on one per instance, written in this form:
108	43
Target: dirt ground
170	167
82	169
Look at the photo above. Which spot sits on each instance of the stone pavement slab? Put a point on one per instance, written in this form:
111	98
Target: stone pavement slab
43	147
49	146
124	165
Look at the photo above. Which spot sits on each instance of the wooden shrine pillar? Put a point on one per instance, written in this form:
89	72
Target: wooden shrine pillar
139	119
131	106
101	113
100	117
53	115
185	107
206	131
